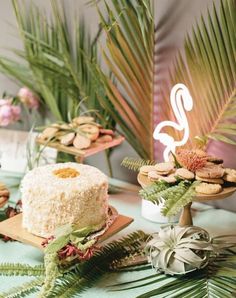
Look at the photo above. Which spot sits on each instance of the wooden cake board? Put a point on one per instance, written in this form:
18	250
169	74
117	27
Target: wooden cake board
12	227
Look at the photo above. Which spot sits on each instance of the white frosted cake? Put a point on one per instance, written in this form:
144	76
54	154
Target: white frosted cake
57	194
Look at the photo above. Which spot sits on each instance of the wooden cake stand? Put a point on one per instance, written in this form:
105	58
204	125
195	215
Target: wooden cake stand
186	217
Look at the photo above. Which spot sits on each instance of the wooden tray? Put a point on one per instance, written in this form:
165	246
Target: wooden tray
93	149
12	227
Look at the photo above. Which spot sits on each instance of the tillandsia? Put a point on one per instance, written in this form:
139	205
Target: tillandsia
179	250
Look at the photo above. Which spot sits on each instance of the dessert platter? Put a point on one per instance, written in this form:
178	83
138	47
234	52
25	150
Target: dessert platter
81	137
212	181
64	197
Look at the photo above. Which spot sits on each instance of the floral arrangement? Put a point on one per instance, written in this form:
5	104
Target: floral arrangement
10	107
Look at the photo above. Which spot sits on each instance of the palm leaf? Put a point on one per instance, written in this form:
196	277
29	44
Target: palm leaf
129	56
207	68
216	280
54	61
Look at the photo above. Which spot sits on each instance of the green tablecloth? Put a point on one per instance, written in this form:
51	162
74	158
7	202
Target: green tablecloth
215	221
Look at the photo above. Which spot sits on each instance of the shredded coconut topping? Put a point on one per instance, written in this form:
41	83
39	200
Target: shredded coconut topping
50	201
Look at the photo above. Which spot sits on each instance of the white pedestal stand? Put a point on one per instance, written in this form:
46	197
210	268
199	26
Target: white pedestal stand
152	212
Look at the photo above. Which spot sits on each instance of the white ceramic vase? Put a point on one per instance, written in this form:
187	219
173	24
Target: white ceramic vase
152	212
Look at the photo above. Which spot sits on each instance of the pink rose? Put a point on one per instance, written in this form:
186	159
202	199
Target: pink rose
27	97
8	113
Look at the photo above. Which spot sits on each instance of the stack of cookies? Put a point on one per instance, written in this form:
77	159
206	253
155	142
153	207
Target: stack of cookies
4	194
80	133
212	175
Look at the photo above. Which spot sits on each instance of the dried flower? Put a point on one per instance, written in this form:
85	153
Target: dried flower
71	250
47	241
27	97
191	159
9	113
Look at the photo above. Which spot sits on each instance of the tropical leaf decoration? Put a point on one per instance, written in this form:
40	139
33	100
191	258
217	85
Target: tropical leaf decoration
207	67
77	278
172	197
53	62
217	279
129	28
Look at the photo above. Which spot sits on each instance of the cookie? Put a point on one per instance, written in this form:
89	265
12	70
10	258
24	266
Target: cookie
211	180
230	175
184	174
144	170
153	176
169	179
208	189
210	170
231	172
164	168
214	159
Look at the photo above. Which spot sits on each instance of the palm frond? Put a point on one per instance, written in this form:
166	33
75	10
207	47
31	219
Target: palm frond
54	62
129	57
208	282
207	68
135	164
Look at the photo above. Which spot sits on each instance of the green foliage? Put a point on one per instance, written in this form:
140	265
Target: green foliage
180	197
54	62
71	281
129	28
217	279
23	290
9	269
150	192
135	164
174	197
51	273
207	68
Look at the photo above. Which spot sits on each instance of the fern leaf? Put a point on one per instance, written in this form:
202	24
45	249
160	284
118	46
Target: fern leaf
179	198
151	192
85	274
135	164
9	269
24	290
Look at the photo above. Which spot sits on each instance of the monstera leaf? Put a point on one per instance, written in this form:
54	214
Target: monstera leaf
207	68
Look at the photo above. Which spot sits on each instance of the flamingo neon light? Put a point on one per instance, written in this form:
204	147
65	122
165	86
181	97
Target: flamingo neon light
181	101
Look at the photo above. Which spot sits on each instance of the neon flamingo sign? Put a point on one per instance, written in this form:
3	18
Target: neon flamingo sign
181	101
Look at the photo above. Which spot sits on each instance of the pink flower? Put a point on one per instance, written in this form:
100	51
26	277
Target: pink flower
8	113
27	97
